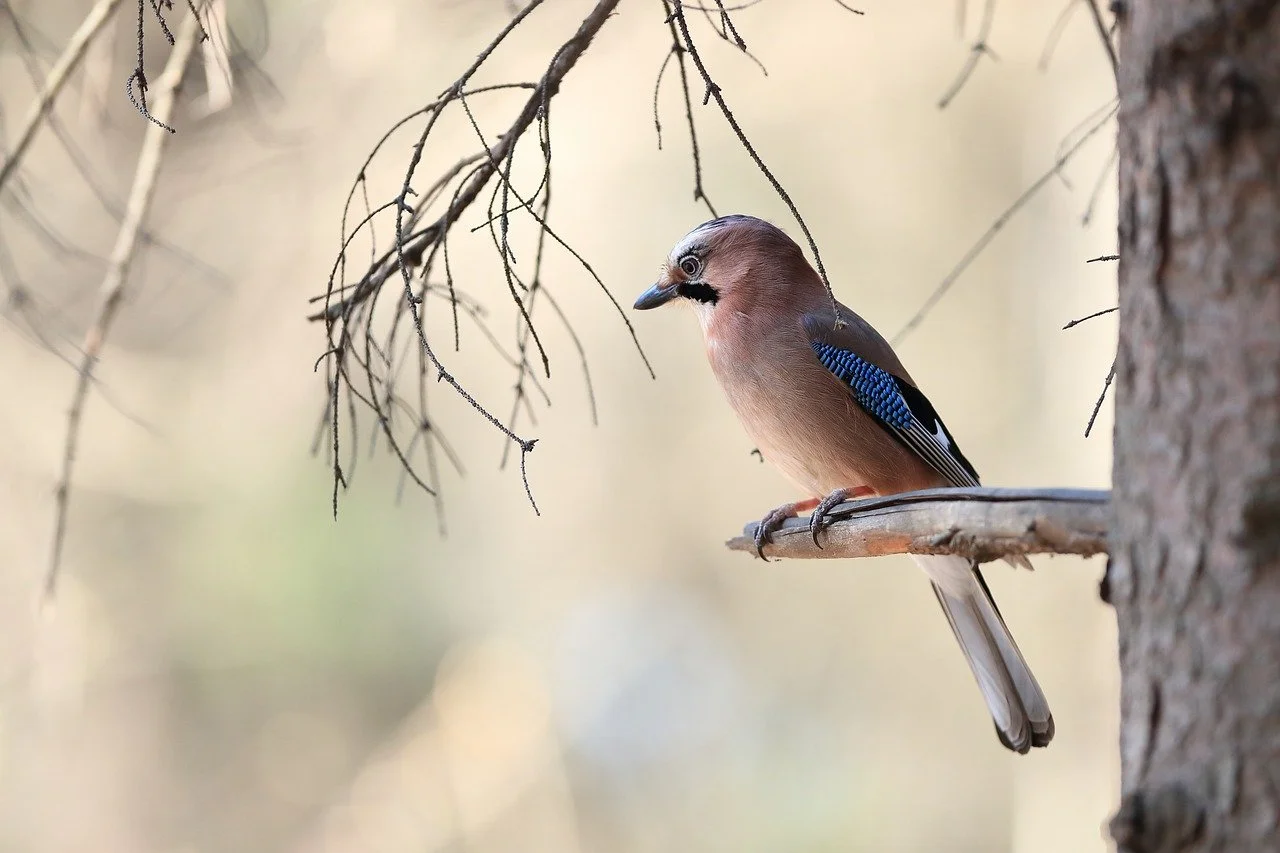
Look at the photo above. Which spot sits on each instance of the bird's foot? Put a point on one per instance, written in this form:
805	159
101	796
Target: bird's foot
818	519
774	519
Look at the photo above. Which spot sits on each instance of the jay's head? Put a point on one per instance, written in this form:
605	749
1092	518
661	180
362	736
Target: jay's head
735	261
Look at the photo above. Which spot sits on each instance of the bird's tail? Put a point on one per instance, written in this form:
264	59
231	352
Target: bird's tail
1017	705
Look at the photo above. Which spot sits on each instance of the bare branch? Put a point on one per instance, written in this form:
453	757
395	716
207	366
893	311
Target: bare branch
81	164
1097	407
1055	34
137	85
979	49
216	53
677	49
420	242
112	291
979	523
714	93
1103	35
412	249
1101	313
1001	221
1098	185
57	78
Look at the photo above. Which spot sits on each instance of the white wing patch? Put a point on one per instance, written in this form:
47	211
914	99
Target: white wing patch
941	435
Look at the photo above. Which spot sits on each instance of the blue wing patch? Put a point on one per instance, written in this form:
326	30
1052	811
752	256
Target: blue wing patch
873	388
905	412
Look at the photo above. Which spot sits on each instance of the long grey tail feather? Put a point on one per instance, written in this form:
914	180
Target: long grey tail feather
1017	704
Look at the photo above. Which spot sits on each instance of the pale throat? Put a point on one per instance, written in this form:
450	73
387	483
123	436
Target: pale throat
705	312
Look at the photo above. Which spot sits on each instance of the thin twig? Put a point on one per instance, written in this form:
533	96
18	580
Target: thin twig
1106	386
349	310
81	164
1055	34
56	79
410	250
979	49
657	90
714	93
137	85
1103	258
1102	313
1096	13
1096	193
111	294
699	193
1001	221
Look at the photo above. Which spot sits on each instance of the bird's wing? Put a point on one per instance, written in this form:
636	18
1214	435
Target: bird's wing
857	356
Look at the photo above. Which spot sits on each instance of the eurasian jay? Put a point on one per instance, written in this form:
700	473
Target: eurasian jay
832	407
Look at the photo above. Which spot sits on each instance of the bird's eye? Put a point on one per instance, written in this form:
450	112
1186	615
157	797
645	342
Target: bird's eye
691	265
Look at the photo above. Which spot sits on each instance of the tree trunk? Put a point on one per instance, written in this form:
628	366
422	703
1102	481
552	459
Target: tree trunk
1195	570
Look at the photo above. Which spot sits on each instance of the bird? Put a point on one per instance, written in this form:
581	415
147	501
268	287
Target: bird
830	405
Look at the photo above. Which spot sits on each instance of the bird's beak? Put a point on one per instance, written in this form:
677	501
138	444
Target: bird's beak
659	294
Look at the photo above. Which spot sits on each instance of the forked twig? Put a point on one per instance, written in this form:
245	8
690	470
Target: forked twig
416	249
714	93
112	290
977	50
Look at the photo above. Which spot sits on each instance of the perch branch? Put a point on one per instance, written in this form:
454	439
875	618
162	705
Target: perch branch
57	78
111	294
980	523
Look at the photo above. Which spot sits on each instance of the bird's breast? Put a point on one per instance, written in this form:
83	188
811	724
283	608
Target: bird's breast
803	421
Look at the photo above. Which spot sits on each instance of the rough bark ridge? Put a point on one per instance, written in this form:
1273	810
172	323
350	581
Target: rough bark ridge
1195	571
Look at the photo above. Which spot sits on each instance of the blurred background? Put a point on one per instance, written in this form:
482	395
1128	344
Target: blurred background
226	668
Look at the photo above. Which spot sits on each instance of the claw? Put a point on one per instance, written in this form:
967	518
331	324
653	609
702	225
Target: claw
818	519
771	522
819	515
774	519
761	538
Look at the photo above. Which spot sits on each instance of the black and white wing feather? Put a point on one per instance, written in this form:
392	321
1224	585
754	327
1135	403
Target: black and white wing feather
900	408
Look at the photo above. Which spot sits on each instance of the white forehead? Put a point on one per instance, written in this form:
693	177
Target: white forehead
697	238
694	240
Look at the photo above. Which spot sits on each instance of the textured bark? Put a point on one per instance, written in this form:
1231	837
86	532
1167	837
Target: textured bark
1195	571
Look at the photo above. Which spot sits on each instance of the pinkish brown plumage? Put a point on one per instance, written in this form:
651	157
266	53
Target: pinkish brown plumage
832	407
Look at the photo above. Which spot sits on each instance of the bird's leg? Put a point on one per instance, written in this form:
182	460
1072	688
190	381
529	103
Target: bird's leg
774	519
818	519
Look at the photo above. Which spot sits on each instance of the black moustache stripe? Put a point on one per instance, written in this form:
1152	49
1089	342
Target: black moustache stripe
698	291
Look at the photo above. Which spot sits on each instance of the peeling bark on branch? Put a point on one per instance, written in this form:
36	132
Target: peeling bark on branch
979	523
